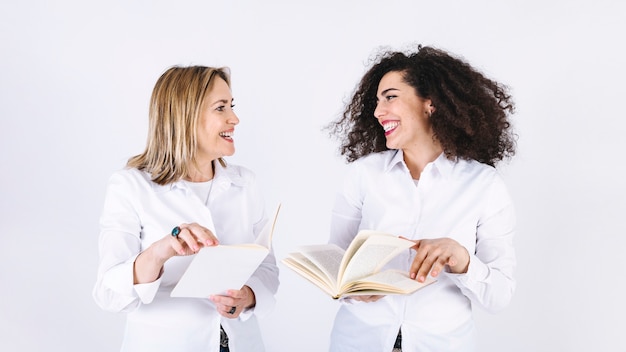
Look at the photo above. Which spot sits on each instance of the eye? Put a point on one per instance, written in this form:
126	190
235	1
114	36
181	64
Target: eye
390	96
220	108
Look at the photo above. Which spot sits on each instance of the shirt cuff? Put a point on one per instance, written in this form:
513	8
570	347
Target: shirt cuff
265	300
147	292
120	279
477	271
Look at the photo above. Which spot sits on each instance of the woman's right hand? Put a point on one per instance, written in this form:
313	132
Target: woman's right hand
191	238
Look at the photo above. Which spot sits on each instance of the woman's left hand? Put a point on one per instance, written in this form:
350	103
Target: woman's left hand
234	302
432	255
366	299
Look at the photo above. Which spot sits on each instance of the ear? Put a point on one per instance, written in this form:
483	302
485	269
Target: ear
429	107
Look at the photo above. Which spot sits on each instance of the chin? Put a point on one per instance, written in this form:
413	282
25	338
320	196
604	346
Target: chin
391	146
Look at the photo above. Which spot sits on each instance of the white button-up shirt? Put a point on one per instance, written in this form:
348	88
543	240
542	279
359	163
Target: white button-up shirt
138	212
464	200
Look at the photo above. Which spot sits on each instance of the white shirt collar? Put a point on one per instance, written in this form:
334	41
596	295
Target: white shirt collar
441	164
223	179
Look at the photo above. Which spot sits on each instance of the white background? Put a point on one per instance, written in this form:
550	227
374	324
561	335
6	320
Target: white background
75	80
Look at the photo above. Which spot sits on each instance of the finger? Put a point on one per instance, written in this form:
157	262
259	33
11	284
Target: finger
416	246
237	294
375	298
177	245
424	260
458	264
203	235
418	261
188	238
225	301
360	298
224	310
231	312
425	268
241	298
404	238
438	266
367	298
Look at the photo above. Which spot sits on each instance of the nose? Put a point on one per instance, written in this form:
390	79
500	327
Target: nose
380	110
233	119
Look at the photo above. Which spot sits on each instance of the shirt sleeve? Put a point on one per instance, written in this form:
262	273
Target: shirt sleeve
119	245
264	281
264	284
346	213
489	279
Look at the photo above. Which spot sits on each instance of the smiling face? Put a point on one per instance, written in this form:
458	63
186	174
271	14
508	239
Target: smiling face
402	113
216	124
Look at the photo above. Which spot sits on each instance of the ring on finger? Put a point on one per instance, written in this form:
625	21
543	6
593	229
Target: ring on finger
232	310
175	231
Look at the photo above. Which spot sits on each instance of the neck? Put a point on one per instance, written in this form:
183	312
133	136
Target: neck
416	159
201	173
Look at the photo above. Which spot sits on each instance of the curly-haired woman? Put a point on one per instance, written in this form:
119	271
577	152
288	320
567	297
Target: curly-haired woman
423	133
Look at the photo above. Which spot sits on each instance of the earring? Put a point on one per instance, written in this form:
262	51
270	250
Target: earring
432	109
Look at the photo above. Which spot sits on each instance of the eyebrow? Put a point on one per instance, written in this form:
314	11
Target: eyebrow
222	101
388	90
385	92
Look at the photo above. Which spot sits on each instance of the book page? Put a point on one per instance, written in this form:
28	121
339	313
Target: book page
327	258
384	283
265	236
354	246
376	251
214	270
307	269
217	269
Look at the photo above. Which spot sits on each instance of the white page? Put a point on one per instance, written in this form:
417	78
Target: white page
217	269
373	253
265	236
223	267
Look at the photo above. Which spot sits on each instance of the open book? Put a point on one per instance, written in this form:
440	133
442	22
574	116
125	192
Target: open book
214	270
357	270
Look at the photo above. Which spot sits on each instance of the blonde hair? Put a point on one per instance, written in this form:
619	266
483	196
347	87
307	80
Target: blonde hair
175	106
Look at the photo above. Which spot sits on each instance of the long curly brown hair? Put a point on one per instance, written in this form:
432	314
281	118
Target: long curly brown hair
471	115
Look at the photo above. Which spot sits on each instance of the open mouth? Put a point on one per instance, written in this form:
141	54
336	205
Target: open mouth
390	126
227	135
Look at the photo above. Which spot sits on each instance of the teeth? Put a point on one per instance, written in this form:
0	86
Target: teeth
390	125
226	134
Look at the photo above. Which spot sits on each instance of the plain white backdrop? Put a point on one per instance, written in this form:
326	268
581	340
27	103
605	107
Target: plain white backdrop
76	77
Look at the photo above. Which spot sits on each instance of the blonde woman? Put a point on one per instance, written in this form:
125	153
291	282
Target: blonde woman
170	201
